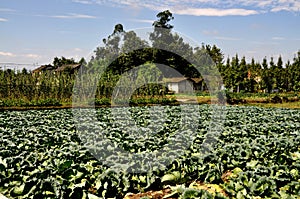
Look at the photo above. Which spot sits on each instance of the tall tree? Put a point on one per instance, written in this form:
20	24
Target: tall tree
243	75
164	18
118	29
266	76
111	47
215	53
167	46
235	64
295	72
162	28
279	74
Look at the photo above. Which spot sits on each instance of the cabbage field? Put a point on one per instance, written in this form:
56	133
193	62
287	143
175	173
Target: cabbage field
255	153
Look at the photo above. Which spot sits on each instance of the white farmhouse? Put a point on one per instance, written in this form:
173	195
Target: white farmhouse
179	84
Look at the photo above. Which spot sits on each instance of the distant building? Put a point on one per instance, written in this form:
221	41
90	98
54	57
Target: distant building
184	84
70	68
43	68
199	84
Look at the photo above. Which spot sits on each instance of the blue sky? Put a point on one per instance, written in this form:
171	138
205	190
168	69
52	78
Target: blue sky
35	31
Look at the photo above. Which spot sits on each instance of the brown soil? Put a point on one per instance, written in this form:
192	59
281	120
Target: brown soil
151	194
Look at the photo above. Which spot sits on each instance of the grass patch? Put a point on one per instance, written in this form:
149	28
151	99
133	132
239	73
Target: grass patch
278	100
293	105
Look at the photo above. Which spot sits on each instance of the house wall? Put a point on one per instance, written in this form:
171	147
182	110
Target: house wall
173	86
185	87
181	87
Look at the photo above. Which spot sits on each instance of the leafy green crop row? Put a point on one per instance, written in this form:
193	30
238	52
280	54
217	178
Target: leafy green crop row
42	155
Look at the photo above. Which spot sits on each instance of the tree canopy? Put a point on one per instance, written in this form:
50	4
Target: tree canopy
237	74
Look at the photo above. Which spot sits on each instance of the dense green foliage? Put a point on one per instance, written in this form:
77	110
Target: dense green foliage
256	77
23	88
41	155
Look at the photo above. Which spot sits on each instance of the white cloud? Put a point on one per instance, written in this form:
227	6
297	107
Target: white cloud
206	7
19	56
77	49
82	1
6	10
278	38
214	12
74	16
3	20
143	20
7	54
35	56
287	5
